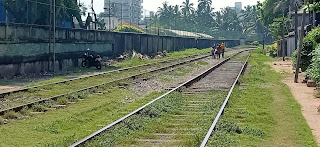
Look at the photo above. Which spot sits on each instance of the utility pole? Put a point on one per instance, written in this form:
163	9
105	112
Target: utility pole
7	25
283	40
121	14
131	15
50	36
300	47
54	34
296	27
109	16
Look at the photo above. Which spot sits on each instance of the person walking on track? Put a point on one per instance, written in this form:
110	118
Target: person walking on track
222	49
213	51
218	52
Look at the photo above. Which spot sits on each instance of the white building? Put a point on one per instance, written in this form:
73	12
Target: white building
238	7
129	10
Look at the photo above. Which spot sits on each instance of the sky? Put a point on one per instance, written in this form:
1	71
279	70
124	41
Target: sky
152	5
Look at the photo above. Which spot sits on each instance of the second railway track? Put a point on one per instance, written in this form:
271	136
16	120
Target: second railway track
29	97
203	99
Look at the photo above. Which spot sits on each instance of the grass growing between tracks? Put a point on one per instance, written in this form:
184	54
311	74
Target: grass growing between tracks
162	117
56	89
263	112
64	126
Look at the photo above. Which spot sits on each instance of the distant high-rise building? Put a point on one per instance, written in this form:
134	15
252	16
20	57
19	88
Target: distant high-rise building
238	7
129	10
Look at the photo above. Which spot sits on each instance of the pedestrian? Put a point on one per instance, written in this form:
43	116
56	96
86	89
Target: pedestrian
213	51
218	52
222	49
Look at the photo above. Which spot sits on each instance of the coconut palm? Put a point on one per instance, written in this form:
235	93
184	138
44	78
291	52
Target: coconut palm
187	8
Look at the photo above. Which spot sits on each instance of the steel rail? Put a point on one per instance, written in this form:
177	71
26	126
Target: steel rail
204	142
2	95
18	108
185	84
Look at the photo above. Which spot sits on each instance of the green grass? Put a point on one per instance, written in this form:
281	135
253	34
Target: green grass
53	80
264	111
56	89
64	126
159	118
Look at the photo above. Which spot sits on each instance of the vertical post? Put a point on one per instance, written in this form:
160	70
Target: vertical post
121	14
296	27
7	24
50	35
282	44
54	34
27	11
300	48
130	15
109	16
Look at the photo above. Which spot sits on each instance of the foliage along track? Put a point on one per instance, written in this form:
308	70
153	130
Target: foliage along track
186	113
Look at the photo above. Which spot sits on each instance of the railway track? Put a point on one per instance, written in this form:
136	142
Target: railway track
219	77
6	94
41	99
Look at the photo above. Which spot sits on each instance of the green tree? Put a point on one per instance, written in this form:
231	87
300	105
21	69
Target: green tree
37	11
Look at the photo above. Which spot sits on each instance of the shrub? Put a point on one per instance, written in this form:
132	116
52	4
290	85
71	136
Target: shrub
25	111
1	121
11	115
272	49
310	42
314	70
39	108
255	43
128	28
62	101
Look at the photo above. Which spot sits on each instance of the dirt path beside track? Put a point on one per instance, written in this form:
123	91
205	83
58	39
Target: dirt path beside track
303	94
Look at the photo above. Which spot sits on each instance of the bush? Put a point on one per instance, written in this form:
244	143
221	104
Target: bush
39	108
255	43
62	101
272	49
11	115
310	42
314	70
128	28
25	111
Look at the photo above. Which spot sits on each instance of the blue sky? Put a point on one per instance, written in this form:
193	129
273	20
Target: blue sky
152	5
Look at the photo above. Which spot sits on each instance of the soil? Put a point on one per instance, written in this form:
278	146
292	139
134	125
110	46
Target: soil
9	88
303	94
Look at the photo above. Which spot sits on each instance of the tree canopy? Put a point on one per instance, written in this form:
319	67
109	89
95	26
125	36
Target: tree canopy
38	11
226	23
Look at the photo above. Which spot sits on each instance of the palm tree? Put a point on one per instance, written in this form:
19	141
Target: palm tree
187	8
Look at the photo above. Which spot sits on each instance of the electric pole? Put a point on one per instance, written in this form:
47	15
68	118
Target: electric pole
296	78
54	34
109	16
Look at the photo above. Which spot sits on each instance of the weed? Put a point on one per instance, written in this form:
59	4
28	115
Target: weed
1	121
202	63
73	97
39	108
11	115
25	111
126	130
62	101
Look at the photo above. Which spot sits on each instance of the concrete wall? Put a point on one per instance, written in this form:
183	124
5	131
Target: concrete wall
25	49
